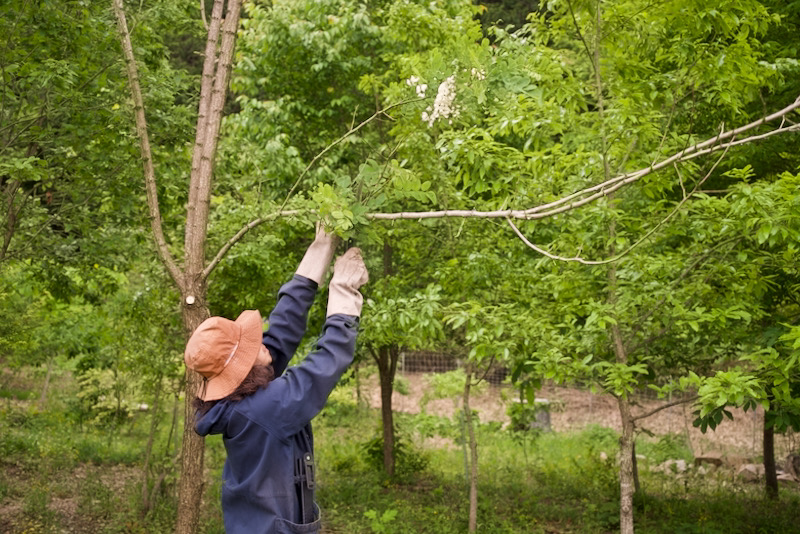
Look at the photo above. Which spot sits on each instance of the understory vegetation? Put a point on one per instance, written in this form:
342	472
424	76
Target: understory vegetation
63	473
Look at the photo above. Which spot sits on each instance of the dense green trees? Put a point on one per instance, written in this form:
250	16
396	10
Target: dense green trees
567	196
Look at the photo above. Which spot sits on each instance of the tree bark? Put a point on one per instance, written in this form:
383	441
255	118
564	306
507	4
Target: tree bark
627	481
473	455
212	102
387	368
192	481
770	470
144	144
9	192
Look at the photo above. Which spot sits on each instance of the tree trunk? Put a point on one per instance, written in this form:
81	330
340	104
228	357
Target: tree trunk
148	452
473	450
387	365
191	281
9	192
626	478
627	483
770	471
192	481
637	487
43	396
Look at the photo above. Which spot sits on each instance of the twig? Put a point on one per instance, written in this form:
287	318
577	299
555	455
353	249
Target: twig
347	134
246	228
664	407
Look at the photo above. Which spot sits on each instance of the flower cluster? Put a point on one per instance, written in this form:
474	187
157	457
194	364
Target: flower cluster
443	107
478	74
420	88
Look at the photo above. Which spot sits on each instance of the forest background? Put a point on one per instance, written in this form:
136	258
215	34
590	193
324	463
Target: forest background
595	193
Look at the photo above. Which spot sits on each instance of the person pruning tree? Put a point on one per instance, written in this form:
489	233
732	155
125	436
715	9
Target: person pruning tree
263	413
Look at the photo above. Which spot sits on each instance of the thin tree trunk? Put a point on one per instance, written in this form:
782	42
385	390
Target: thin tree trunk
386	359
473	450
9	193
637	487
154	419
627	477
387	367
144	145
192	480
770	471
43	396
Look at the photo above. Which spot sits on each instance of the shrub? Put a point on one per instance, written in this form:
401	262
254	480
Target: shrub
408	461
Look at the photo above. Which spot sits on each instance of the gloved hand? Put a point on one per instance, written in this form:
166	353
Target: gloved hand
315	262
349	274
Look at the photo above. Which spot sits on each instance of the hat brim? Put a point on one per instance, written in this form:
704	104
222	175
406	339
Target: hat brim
242	360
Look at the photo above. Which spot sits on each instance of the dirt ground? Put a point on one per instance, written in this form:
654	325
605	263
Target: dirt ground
573	409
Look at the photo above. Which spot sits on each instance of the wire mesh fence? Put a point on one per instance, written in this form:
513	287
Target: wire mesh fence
575	407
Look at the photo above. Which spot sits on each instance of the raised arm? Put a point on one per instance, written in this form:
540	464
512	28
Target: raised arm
292	400
288	320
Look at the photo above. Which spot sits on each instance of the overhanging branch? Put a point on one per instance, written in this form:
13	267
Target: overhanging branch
616	257
723	141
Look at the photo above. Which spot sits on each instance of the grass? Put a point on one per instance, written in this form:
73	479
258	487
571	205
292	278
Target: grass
61	474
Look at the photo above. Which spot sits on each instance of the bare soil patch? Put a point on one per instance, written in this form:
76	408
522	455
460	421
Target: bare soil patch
574	409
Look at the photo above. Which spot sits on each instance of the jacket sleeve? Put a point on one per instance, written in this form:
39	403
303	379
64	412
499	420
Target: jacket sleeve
288	320
292	400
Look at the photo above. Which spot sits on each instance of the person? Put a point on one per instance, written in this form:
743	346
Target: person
263	413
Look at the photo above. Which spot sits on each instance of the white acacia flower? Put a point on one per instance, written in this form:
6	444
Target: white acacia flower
443	107
478	74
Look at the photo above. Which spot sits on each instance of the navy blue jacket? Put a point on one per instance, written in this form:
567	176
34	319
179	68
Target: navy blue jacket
267	433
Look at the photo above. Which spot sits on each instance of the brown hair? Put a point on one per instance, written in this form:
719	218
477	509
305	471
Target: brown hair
258	378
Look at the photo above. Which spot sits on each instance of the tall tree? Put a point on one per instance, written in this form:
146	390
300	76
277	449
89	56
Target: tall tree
191	277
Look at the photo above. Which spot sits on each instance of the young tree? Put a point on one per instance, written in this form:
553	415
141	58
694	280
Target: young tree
190	278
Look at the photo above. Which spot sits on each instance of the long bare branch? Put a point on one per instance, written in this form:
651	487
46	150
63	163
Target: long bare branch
685	198
144	145
589	194
572	201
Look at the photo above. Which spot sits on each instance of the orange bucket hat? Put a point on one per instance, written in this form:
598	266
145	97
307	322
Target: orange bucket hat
224	351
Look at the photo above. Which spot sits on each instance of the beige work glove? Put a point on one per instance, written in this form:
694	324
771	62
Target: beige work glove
349	274
317	258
